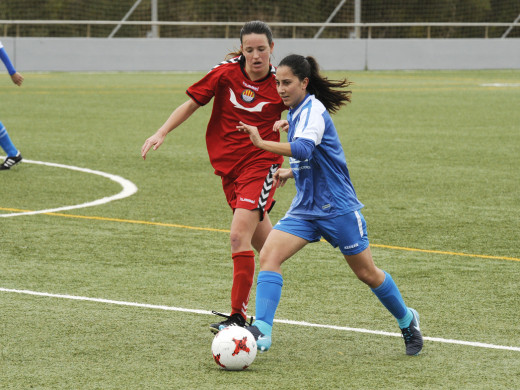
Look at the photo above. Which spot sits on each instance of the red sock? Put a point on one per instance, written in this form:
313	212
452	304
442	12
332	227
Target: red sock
243	273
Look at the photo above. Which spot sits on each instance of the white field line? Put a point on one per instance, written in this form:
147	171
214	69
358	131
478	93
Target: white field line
500	85
289	322
129	189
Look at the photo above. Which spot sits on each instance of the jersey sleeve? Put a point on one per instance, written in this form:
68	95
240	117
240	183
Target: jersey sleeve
7	62
310	126
203	90
302	148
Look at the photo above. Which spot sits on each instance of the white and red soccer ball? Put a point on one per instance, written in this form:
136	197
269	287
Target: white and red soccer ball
234	348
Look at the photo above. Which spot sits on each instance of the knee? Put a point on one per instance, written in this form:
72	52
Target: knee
237	240
269	261
369	276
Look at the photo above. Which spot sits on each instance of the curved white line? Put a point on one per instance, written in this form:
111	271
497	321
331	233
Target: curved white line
129	189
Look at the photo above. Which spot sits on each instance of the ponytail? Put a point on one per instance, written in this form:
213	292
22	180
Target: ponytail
329	92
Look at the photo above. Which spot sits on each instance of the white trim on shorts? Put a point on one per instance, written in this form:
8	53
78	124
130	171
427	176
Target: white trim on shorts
359	223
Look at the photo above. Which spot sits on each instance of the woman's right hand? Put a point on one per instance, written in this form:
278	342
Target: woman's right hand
281	176
17	78
155	140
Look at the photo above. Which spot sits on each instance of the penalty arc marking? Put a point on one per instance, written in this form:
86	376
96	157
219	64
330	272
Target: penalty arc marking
129	189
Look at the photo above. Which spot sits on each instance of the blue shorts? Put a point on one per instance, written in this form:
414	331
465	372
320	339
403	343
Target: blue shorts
348	231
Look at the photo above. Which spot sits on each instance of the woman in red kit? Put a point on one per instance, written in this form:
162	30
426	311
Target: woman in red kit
244	90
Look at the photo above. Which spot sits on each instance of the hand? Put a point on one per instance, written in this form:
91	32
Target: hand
253	133
17	78
281	125
155	140
281	176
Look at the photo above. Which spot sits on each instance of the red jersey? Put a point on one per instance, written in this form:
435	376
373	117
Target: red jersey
238	98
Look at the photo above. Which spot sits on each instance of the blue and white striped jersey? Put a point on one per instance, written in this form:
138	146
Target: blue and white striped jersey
323	185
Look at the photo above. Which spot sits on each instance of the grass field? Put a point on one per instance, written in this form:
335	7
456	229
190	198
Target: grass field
434	156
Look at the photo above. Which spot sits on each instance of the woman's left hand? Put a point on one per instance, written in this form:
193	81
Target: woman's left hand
281	125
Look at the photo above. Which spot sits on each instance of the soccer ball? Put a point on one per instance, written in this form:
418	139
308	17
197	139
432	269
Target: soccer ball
234	348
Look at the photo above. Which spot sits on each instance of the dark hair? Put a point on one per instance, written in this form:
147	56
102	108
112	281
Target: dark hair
253	27
325	90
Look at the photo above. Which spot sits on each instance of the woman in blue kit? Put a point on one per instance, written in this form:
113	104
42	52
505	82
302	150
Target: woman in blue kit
325	204
13	155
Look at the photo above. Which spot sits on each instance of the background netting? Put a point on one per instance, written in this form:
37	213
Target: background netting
306	11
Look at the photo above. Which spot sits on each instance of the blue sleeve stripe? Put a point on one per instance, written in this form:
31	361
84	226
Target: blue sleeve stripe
7	61
301	148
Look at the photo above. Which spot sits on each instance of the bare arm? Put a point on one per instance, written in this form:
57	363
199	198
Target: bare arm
283	149
178	116
282	174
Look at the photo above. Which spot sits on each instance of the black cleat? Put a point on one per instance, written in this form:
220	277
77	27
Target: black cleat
412	335
232	320
10	162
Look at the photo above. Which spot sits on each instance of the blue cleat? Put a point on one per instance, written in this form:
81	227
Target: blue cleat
263	341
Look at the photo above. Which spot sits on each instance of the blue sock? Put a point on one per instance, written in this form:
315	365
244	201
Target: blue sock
406	320
264	327
5	142
268	292
391	298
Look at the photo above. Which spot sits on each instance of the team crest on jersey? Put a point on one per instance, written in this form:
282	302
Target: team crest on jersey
234	101
248	95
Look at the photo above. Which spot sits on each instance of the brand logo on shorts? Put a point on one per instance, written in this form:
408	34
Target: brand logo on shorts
247	200
351	246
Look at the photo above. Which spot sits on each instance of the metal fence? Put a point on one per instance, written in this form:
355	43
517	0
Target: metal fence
353	30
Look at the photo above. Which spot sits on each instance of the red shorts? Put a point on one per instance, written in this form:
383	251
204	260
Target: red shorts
253	189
